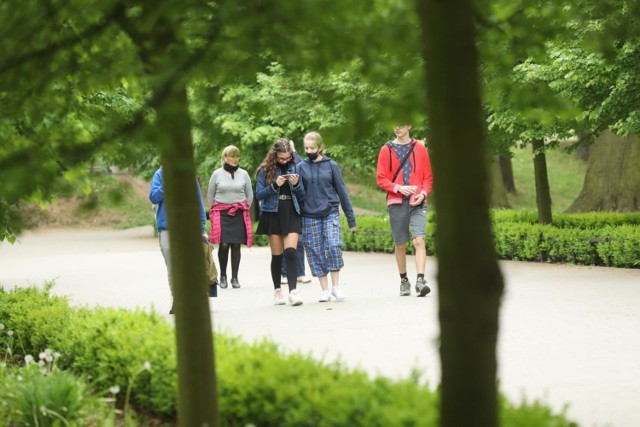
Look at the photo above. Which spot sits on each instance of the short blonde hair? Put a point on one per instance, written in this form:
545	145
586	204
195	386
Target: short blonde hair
317	140
230	151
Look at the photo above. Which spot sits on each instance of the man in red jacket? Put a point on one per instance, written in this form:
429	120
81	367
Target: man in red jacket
404	172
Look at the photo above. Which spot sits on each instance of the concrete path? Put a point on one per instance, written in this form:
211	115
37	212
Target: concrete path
569	335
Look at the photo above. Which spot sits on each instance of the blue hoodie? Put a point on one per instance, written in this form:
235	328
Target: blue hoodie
156	196
324	190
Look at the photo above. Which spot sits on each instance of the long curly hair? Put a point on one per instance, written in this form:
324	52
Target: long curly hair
270	161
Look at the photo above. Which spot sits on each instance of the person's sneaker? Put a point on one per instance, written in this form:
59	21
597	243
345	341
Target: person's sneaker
405	288
234	283
422	289
213	289
336	292
223	282
325	296
294	298
278	298
304	279
283	280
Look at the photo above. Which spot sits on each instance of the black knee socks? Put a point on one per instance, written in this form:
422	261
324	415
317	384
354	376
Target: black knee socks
292	267
276	265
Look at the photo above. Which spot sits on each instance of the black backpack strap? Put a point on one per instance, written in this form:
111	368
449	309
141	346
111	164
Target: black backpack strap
402	163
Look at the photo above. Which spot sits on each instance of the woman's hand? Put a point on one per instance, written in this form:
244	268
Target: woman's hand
293	179
280	180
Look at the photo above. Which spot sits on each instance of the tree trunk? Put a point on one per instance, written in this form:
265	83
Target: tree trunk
498	191
197	400
469	280
543	193
612	181
159	51
506	172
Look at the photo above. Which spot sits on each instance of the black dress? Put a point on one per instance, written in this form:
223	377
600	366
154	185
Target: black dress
285	221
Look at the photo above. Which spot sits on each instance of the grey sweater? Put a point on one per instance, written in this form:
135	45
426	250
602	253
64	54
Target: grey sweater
224	189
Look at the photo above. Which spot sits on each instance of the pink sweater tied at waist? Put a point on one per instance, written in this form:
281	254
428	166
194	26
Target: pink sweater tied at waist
214	216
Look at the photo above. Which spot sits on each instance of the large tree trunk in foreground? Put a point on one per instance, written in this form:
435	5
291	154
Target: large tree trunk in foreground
469	281
160	51
612	181
197	402
506	172
543	192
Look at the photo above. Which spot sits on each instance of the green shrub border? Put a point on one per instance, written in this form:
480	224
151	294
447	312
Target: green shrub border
603	239
258	384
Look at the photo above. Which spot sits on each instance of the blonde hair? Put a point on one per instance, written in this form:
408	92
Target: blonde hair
230	151
317	140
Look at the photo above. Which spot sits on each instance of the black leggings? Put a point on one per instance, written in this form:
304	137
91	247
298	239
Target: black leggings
223	258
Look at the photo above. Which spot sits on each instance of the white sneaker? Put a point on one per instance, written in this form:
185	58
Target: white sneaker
278	298
337	293
283	280
325	296
294	298
304	279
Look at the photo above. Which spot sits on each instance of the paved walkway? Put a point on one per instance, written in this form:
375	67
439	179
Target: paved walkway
569	335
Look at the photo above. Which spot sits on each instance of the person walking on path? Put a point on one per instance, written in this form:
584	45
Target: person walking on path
302	278
279	192
404	172
325	193
156	196
229	195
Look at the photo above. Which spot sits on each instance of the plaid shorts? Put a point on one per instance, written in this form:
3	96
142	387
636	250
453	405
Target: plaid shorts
323	243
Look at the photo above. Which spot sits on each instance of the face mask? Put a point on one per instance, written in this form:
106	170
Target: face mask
313	156
230	168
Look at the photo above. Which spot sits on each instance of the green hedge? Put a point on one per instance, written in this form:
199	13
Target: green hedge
257	383
589	239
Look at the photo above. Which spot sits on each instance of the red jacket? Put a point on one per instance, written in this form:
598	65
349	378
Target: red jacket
388	164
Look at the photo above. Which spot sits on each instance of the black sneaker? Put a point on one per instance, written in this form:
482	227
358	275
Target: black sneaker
223	282
422	289
234	283
213	289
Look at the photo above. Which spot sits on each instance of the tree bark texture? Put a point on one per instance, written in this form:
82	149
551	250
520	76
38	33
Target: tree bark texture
469	281
543	192
498	191
506	172
160	52
197	400
612	181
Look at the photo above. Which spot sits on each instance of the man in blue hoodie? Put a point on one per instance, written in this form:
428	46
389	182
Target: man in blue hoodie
156	196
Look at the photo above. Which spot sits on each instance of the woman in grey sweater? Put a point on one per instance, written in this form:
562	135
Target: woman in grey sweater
230	194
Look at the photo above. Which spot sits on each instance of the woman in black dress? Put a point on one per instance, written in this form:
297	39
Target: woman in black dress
279	192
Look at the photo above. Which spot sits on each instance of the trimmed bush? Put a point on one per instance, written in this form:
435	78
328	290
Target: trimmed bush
257	383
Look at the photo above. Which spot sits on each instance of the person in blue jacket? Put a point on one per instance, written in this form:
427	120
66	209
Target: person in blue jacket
325	192
156	196
302	278
279	191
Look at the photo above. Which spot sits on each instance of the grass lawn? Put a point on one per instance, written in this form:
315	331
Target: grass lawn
566	175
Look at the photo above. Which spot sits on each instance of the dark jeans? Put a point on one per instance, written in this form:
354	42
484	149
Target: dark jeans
299	260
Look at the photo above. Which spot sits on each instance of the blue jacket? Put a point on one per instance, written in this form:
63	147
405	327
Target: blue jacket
156	196
326	190
267	195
